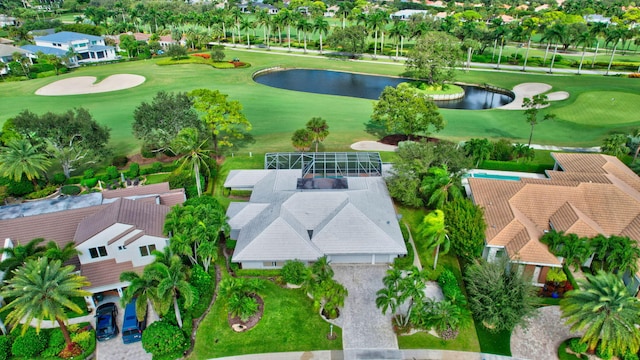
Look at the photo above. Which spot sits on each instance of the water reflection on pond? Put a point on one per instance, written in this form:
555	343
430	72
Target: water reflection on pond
369	87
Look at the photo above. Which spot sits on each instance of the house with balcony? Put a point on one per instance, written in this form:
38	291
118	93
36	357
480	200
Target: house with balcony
83	48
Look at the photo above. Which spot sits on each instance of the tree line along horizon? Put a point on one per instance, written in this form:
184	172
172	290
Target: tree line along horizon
475	28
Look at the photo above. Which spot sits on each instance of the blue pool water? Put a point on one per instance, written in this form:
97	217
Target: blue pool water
494	177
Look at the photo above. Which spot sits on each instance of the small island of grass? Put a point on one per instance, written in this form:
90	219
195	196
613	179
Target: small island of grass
438	91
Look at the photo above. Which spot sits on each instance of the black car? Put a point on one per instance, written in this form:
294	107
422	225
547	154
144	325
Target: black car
106	316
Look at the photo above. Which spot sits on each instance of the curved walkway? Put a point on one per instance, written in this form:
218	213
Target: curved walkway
540	338
370	145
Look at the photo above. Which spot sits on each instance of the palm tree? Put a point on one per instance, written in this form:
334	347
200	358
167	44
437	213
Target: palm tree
16	256
320	26
606	311
478	149
319	130
322	269
192	145
42	290
264	19
287	18
556	34
143	288
304	26
55	252
302	139
172	283
20	158
614	35
344	9
597	29
438	187
246	24
615	145
375	22
435	234
530	25
240	294
399	30
585	39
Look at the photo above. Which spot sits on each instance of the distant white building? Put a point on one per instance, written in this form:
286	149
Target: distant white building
88	48
408	13
597	18
6	20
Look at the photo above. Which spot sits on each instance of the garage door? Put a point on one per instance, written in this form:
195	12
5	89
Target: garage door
351	259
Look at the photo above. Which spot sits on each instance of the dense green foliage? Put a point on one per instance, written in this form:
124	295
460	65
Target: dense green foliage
293	272
499	298
30	344
466	228
161	338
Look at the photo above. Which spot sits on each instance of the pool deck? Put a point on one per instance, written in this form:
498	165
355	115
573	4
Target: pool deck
465	182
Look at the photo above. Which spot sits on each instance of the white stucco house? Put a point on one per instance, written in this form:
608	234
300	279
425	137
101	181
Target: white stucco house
87	48
348	219
115	231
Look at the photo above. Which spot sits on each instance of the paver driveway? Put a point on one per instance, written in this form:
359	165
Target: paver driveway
364	325
542	336
114	349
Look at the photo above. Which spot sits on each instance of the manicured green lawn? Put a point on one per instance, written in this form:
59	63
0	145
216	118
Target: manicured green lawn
276	113
289	324
156	178
494	343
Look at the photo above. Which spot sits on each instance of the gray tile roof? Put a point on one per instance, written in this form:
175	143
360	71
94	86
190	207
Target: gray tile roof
44	49
67	36
8	50
281	222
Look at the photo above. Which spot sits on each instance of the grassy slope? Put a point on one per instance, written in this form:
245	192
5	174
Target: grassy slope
276	113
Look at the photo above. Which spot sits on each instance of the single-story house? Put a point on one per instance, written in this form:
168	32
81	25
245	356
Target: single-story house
87	48
348	219
6	20
115	230
584	194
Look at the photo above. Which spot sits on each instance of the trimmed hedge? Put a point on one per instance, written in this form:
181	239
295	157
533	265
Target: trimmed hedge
513	166
30	344
161	337
70	190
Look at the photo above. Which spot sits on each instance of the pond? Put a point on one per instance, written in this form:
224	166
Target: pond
369	87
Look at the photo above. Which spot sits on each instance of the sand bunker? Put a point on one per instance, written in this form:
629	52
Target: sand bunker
86	85
528	90
372	146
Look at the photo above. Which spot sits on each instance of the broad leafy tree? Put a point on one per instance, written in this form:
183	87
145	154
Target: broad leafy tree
607	313
412	167
402	110
465	223
351	39
434	58
499	298
19	158
158	123
319	130
533	106
42	290
224	118
72	137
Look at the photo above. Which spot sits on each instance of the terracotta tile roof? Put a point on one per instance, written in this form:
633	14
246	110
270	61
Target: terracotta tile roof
173	197
593	194
153	189
57	226
142	215
106	272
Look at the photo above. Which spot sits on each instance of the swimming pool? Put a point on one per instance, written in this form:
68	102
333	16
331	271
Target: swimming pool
493	176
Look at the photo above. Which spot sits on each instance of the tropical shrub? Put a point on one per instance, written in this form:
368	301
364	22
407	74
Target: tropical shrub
156	167
88	174
134	170
83	339
577	346
30	344
56	344
70	190
58	179
556	275
293	272
161	337
502	150
450	287
89	182
112	172
604	353
17	188
42	193
5	346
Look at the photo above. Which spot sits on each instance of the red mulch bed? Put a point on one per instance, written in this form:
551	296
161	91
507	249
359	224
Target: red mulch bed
396	138
253	320
137	158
